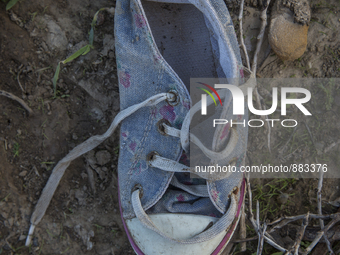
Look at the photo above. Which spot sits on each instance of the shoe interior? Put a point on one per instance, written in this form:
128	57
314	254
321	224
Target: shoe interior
183	38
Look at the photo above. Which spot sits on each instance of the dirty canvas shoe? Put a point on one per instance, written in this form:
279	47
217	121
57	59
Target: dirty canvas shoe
159	47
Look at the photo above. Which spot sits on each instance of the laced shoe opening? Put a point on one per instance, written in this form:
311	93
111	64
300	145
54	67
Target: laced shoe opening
183	38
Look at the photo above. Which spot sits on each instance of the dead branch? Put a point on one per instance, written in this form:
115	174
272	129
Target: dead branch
300	217
331	146
18	78
301	234
261	239
240	17
243	230
260	36
252	220
20	101
310	233
245	239
321	234
320	208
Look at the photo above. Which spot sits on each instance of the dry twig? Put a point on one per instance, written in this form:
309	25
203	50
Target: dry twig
320	210
240	17
331	146
18	78
20	101
301	234
252	220
243	230
322	233
261	239
254	64
260	36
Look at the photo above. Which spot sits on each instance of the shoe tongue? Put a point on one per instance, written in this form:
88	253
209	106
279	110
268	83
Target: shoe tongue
171	1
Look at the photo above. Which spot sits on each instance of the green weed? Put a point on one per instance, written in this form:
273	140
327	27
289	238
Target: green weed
16	148
82	51
10	4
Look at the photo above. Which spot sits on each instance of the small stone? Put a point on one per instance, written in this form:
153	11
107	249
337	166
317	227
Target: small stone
309	65
4	215
74	136
23	173
287	37
103	157
22	237
111	54
83	175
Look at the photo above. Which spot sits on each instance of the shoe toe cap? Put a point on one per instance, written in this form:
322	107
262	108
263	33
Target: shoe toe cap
177	226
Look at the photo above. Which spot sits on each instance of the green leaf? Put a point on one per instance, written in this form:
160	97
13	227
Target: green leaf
87	50
95	17
55	79
91	36
76	54
11	4
93	24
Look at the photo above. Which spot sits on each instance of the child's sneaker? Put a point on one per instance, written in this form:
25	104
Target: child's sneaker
159	47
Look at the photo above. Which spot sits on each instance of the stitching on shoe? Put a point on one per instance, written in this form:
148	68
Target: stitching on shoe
147	129
164	67
166	180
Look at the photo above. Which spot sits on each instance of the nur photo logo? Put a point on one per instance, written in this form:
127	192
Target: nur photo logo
204	97
238	103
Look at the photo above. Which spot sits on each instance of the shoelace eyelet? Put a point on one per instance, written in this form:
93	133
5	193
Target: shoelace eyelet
236	190
160	126
175	100
151	157
138	187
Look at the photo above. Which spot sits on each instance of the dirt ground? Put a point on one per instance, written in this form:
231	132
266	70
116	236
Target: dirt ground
36	35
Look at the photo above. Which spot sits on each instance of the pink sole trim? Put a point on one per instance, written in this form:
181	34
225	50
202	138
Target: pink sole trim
134	246
232	229
218	248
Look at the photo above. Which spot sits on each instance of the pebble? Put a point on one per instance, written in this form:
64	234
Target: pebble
309	65
23	173
74	136
103	157
22	237
287	38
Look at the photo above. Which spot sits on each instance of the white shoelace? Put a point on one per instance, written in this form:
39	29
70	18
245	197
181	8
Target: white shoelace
199	190
156	161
